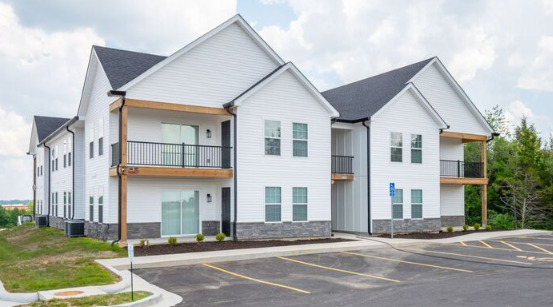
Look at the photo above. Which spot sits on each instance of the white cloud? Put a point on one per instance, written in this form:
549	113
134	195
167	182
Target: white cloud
539	75
518	109
14	133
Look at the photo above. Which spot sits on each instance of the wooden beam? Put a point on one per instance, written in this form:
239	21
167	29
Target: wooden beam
124	132
466	137
342	177
149	171
178	107
123	241
115	105
455	180
484	192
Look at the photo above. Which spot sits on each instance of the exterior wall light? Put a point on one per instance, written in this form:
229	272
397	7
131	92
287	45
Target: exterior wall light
209	198
208	133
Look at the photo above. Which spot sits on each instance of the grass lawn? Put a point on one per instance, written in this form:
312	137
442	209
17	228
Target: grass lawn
89	301
34	259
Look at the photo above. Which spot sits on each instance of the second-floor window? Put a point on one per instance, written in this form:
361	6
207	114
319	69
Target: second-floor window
69	159
299	134
64	161
396	147
416	148
91	150
272	138
100	146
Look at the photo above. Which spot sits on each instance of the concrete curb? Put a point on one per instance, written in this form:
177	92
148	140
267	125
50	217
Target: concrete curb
148	301
24	298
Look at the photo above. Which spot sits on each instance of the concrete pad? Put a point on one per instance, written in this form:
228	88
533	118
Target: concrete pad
77	292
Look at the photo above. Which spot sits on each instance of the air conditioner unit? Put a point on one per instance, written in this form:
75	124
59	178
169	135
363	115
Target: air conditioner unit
74	228
41	221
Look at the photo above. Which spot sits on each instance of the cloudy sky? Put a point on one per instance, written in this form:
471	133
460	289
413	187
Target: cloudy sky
500	51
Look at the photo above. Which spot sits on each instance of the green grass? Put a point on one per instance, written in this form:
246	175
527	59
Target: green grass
35	259
90	301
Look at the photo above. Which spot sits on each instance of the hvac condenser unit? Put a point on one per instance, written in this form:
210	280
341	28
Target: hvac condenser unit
74	228
41	221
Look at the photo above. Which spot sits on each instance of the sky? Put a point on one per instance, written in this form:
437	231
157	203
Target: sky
501	52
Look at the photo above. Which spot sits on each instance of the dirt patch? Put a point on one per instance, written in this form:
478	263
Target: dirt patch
225	245
434	235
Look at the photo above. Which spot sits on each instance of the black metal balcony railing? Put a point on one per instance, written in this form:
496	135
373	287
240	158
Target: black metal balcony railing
461	169
174	155
342	164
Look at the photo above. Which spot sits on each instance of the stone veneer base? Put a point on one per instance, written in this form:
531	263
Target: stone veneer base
407	225
453	220
283	230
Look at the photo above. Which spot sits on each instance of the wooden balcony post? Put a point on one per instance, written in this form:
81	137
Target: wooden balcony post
484	191
123	153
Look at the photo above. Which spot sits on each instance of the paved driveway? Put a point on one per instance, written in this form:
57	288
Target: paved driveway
516	271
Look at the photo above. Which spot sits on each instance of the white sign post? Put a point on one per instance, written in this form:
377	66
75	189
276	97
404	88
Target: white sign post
392	194
130	251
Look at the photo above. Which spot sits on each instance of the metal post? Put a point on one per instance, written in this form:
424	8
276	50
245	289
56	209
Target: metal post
458	169
182	154
132	286
392	216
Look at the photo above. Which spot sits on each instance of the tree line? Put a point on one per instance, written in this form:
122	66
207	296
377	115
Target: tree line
520	172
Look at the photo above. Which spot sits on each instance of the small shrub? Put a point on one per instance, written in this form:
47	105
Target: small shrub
449	228
220	237
476	226
200	237
144	243
488	227
172	241
502	221
465	227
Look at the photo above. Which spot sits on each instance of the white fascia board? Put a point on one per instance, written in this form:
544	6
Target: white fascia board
300	77
34	139
420	98
236	19
458	89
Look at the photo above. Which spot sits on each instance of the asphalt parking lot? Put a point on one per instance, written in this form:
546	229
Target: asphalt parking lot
515	271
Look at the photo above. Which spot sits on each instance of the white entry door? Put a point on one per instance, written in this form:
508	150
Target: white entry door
180	212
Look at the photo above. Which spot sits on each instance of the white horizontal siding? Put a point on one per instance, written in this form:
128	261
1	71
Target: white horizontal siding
405	115
62	178
451	149
452	200
287	101
212	73
447	102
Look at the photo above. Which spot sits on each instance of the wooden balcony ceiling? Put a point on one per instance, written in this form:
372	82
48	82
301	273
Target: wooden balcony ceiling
342	177
157	105
466	137
455	180
149	171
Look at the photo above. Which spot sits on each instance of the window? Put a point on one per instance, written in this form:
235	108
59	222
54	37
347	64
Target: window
299	200
100	209
416	148
397	205
100	146
91	208
299	135
56	164
272	138
416	204
272	204
64	161
91	149
53	165
69	159
65	198
396	143
69	199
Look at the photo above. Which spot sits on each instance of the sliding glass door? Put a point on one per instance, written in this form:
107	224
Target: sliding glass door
174	135
180	212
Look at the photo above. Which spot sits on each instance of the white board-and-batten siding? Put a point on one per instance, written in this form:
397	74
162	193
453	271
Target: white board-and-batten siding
407	116
286	100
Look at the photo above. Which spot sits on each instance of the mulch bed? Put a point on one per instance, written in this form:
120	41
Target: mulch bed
163	249
434	235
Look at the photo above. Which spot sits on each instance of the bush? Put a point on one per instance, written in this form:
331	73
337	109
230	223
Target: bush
465	227
502	221
144	243
172	241
29	224
488	227
449	228
220	237
200	237
476	226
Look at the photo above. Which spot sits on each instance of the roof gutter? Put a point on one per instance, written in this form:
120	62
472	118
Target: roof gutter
121	94
227	107
494	135
73	171
369	220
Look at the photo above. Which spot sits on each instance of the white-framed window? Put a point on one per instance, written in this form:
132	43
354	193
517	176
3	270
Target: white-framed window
91	206
299	201
101	208
273	202
396	147
397	205
416	148
91	142
416	204
100	136
300	136
272	138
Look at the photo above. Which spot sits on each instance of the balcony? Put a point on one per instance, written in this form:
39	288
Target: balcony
342	168
180	160
461	172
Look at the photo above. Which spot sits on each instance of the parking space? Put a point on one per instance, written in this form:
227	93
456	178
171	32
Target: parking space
516	271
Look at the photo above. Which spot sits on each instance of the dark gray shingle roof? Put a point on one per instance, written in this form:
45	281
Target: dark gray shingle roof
122	66
363	98
46	125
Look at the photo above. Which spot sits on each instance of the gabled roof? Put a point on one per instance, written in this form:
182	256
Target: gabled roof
47	125
122	66
361	99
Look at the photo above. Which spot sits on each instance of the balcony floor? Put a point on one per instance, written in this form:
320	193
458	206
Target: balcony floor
463	180
154	171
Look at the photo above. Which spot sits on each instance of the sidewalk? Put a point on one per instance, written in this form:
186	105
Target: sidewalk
293	250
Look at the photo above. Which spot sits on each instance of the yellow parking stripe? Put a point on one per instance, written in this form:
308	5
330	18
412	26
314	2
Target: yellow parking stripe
507	249
486	244
410	262
463	243
338	270
540	248
469	256
512	246
255	279
537	238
